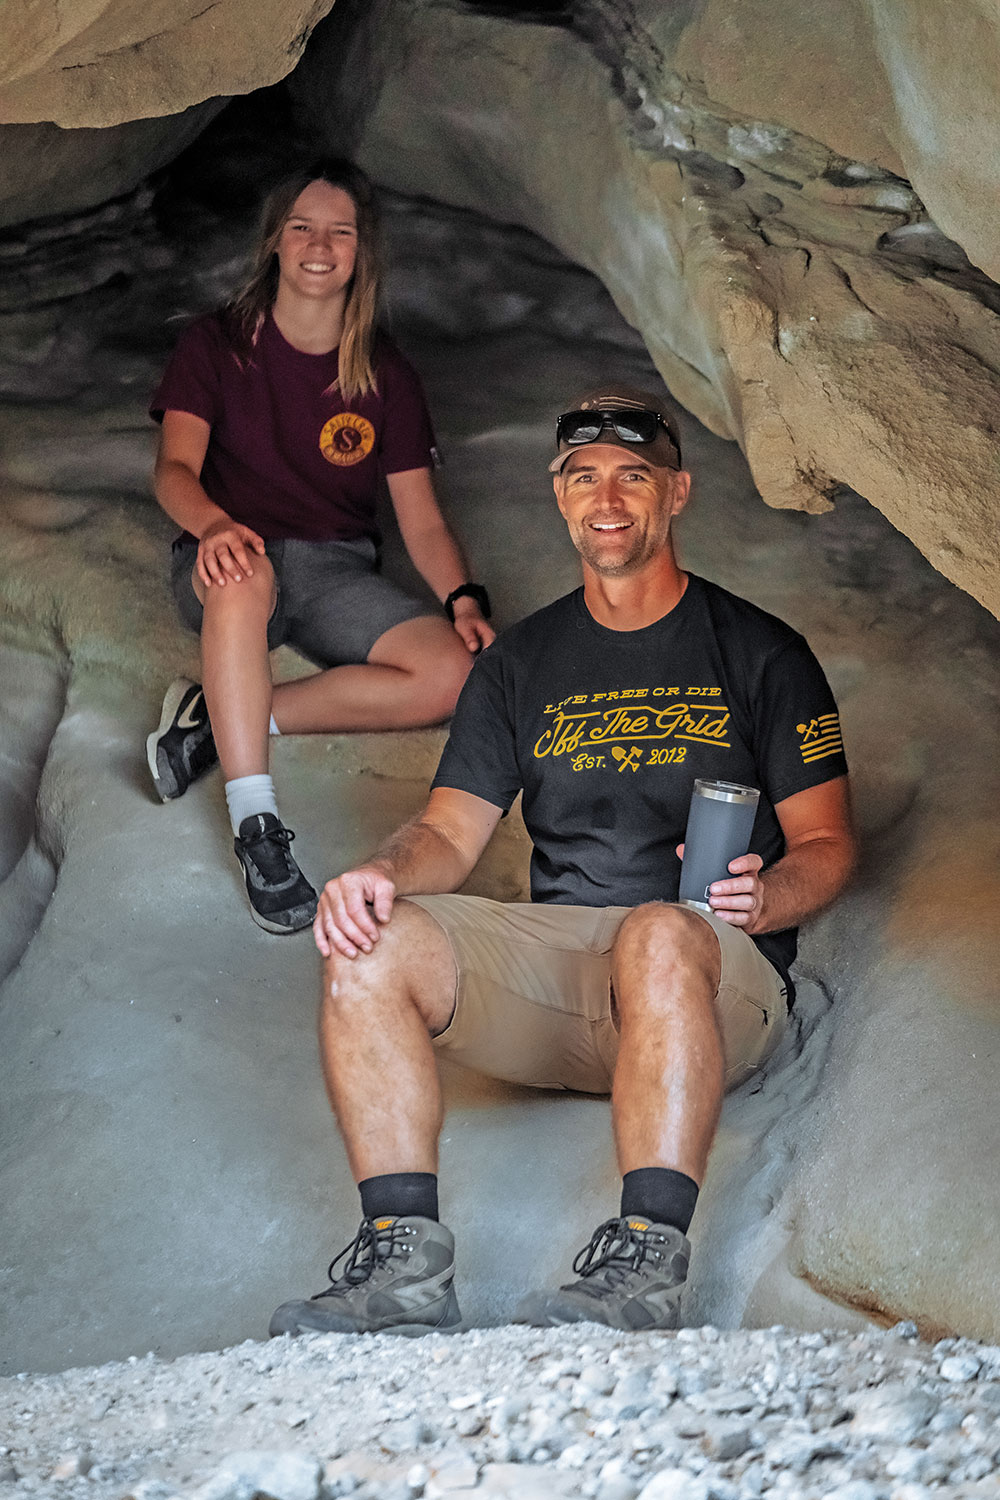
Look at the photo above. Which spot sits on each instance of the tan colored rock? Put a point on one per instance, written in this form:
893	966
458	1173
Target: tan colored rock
821	75
103	62
736	247
797	301
910	87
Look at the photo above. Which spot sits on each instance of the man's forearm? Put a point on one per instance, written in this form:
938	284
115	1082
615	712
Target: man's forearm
803	882
421	859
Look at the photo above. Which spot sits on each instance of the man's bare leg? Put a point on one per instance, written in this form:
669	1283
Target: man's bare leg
378	1015
670	1075
666	1099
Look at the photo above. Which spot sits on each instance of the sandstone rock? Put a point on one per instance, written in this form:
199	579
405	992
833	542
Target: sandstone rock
116	60
791	287
867	78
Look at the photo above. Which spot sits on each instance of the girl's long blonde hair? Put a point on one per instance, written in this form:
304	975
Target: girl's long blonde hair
246	310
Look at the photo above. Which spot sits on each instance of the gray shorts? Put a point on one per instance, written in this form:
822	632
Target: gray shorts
333	604
533	1003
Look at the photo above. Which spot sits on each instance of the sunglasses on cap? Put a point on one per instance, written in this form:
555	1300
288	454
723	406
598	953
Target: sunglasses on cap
633	425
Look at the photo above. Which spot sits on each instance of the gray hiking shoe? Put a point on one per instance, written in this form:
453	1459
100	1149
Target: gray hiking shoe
397	1279
631	1277
181	747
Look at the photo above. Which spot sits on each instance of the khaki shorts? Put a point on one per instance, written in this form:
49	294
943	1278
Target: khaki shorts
533	1004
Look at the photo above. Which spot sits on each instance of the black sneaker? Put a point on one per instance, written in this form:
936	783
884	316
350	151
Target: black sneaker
631	1277
281	898
397	1279
182	747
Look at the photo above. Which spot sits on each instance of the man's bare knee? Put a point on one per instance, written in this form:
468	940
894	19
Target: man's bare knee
663	941
410	966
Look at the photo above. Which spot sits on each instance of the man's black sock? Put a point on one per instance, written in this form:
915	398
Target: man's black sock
661	1195
400	1195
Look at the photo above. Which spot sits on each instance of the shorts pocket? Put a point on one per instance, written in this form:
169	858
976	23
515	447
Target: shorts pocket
747	1030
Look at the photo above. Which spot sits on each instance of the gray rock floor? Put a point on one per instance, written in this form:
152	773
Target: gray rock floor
515	1413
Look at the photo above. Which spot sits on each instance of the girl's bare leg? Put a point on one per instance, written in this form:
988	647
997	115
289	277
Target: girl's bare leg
236	669
413	676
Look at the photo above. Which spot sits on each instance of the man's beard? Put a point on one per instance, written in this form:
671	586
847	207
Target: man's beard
609	565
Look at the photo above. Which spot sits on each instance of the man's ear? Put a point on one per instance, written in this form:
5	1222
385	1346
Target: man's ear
681	491
557	489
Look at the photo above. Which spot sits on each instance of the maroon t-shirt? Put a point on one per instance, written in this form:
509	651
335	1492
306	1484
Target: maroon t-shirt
285	456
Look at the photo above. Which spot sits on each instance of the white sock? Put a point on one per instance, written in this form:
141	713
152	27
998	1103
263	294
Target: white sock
272	728
246	795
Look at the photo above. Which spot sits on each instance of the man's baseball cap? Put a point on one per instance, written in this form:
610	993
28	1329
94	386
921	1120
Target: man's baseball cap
652	432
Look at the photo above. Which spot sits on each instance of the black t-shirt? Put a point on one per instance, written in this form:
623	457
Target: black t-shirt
606	730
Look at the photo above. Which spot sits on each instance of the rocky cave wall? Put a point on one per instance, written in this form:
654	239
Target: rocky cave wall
795	295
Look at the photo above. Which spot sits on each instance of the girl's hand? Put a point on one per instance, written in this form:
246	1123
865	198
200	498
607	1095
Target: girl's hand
476	632
225	552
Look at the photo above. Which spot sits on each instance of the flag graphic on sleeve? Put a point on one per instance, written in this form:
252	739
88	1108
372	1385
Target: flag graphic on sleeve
820	737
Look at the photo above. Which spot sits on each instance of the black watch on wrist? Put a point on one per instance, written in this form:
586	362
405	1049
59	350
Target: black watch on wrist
473	591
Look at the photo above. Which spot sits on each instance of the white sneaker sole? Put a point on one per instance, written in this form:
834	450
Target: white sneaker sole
171	703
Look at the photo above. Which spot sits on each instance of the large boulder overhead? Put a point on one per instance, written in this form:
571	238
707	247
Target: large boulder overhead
102	62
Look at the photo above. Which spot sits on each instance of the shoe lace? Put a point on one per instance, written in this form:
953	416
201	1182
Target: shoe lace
269	851
369	1248
617	1249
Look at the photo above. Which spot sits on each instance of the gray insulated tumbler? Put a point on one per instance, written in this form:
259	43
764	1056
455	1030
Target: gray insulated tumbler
719	825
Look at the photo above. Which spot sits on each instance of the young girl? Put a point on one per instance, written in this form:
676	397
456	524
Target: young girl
279	415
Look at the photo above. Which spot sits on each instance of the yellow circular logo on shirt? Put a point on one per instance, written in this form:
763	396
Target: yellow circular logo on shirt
347	439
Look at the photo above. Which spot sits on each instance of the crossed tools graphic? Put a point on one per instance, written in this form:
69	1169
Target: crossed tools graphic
627	761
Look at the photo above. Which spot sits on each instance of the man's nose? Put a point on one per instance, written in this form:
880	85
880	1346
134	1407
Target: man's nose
610	492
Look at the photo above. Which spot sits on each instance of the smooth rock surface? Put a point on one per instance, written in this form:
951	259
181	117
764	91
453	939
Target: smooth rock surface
104	62
169	1171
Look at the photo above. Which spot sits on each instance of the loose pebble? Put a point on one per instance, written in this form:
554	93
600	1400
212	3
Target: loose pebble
279	1476
961	1367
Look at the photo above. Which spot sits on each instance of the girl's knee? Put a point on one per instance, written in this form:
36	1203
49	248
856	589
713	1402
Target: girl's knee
255	593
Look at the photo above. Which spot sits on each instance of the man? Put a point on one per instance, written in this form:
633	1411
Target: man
601	708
